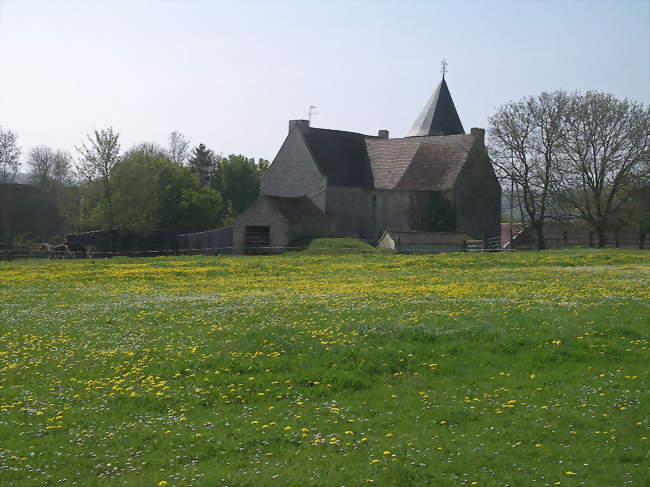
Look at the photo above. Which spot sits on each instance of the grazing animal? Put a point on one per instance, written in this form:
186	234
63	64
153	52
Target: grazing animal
59	251
79	250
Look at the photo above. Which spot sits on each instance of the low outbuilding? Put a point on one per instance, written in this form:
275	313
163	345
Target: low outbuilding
271	223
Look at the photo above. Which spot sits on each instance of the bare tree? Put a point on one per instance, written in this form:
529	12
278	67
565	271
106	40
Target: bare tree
607	145
526	138
98	157
9	156
47	165
179	148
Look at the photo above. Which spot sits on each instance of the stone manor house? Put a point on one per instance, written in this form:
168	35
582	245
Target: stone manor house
345	184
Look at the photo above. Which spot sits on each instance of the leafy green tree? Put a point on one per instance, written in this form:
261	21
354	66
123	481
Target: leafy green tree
150	192
202	163
186	205
237	178
199	209
137	191
99	156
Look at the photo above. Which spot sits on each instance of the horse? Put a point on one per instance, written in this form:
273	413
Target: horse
60	251
76	249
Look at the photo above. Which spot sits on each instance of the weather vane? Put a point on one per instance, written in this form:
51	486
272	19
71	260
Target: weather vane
443	67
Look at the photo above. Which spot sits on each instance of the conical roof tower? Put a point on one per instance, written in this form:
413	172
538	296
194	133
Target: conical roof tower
439	116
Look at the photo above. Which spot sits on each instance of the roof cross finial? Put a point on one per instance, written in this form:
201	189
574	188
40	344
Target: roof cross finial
443	67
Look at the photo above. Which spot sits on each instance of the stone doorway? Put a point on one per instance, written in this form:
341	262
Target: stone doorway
257	240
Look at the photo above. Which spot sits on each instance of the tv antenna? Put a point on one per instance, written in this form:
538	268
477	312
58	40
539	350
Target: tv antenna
312	111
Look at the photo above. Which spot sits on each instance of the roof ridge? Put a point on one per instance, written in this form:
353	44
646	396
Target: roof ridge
341	131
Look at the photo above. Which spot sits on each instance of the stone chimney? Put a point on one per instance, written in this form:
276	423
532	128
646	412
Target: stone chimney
299	124
382	134
478	134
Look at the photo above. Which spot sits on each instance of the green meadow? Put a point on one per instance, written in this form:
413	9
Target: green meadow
326	368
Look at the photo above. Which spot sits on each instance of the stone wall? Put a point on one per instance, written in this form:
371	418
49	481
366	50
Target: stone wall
352	211
477	196
393	210
366	214
282	232
261	213
293	171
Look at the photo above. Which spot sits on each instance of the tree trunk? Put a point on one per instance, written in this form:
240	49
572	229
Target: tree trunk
539	235
642	235
109	207
602	238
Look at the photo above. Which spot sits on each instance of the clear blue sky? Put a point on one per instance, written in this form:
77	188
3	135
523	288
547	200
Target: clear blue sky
231	73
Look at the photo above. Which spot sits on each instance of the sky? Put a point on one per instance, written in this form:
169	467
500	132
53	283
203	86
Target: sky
231	74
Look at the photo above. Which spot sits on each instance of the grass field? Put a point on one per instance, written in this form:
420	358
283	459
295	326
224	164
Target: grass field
312	369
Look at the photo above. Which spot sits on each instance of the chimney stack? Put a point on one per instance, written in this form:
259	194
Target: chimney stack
299	124
382	134
478	134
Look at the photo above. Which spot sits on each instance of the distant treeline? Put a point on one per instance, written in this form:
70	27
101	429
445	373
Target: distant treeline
174	188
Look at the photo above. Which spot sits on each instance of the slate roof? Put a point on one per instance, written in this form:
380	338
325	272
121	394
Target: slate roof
341	156
428	159
439	115
389	159
412	163
418	163
296	209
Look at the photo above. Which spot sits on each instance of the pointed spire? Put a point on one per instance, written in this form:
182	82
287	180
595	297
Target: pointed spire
439	116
